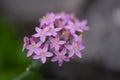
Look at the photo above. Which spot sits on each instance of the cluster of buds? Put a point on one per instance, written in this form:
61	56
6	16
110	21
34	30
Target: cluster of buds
58	37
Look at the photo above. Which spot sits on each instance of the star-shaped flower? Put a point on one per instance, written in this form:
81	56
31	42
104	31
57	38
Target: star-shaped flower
75	49
60	57
65	35
82	25
55	42
42	54
42	33
58	34
73	27
52	30
52	17
43	21
32	47
78	38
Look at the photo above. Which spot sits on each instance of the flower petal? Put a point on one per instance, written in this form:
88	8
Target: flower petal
54	33
66	59
49	54
38	44
63	52
37	29
37	51
72	31
46	29
60	62
24	46
54	59
42	38
83	47
45	47
86	28
78	54
84	22
26	39
43	60
61	42
29	53
51	39
56	47
56	52
36	57
80	30
58	29
48	34
51	45
70	54
36	35
68	47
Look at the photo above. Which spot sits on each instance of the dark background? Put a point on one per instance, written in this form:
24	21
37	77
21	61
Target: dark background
101	58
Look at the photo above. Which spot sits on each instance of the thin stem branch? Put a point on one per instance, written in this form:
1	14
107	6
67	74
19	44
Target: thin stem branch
24	74
35	65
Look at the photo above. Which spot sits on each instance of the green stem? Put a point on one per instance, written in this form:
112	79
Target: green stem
35	65
24	74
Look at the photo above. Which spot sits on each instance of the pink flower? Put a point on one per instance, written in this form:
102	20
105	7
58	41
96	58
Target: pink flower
59	34
42	33
32	47
82	25
74	49
65	34
78	38
42	54
43	21
52	30
60	57
52	17
73	27
26	43
55	42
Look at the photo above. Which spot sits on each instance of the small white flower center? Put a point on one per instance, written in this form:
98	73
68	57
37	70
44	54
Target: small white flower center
73	25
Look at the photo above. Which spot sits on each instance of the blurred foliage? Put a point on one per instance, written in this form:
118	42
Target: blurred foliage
12	60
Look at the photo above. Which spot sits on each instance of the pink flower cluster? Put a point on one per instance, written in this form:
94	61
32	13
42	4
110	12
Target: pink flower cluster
59	37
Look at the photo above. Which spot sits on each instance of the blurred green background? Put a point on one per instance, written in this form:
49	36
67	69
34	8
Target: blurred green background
13	61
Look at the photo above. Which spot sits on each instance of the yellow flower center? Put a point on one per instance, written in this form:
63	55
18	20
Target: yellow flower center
80	36
55	41
60	55
42	52
44	18
65	33
74	47
42	31
50	29
32	46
